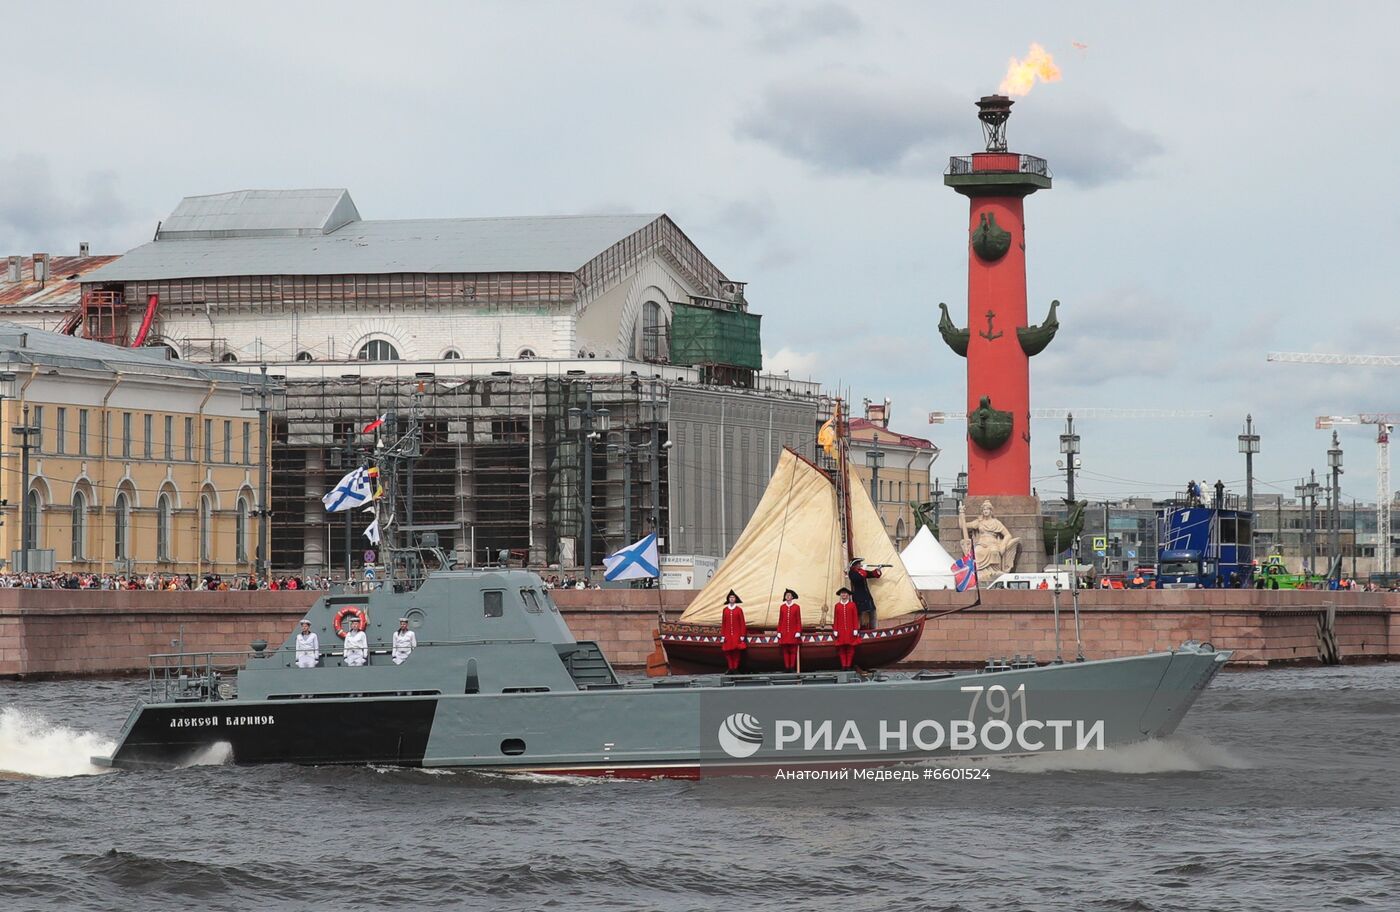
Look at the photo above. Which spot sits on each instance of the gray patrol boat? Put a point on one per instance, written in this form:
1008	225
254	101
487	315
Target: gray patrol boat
498	682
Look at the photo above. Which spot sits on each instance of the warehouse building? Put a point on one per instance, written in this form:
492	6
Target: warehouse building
578	380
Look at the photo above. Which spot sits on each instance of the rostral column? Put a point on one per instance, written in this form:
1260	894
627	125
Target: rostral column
997	341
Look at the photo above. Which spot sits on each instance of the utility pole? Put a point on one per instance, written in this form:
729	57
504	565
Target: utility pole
1249	445
873	458
1069	446
1334	496
937	505
25	520
264	399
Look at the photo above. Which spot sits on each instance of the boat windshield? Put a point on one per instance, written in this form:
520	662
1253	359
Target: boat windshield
1179	568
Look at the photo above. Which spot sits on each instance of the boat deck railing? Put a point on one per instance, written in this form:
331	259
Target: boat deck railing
181	677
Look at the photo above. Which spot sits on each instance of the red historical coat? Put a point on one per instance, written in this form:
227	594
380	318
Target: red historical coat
732	629
789	624
846	624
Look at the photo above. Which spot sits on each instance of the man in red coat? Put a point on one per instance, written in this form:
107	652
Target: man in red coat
732	630
789	629
846	626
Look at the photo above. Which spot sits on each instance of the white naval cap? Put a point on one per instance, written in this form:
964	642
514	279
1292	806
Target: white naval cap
306	621
403	620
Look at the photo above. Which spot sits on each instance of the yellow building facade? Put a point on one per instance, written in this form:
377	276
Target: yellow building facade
136	463
894	468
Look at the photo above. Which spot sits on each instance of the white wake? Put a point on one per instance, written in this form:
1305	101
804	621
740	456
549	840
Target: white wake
1177	754
35	747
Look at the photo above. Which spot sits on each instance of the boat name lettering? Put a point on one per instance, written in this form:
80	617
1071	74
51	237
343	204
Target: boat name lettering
249	720
193	721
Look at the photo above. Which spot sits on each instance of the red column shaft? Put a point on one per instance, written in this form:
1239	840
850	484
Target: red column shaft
996	366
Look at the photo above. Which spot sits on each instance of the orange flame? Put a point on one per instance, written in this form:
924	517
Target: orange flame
1021	75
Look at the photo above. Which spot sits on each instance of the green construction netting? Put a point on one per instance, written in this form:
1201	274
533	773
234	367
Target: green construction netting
704	335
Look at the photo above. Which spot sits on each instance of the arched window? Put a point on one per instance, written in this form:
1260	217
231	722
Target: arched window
206	528
32	508
899	534
654	346
79	526
526	354
165	518
121	527
240	531
305	356
451	355
378	350
228	356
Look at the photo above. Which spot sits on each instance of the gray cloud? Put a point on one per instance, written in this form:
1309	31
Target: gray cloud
843	123
1122	335
1089	148
34	213
783	26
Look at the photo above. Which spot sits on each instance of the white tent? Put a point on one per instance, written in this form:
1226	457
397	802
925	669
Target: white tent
929	565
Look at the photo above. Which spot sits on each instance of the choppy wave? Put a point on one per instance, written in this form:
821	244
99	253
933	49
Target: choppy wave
32	746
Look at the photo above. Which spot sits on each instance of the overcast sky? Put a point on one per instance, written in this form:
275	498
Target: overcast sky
1224	178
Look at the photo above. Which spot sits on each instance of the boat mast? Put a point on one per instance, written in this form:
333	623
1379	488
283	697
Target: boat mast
842	493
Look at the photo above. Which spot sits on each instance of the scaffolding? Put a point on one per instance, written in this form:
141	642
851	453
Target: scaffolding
497	474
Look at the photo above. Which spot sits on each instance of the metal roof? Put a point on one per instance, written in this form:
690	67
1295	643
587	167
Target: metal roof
21	345
254	213
62	290
210	241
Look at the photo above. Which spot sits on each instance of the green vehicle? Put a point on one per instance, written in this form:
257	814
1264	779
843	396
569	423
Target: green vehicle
1273	571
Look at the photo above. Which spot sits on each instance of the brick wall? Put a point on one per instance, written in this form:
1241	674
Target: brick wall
57	632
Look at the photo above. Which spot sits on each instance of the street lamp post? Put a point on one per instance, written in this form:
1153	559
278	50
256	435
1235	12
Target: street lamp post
875	457
937	505
1334	497
590	424
1069	446
1249	445
264	399
25	520
8	384
960	493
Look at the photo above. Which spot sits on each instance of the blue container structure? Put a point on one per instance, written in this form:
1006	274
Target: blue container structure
1204	548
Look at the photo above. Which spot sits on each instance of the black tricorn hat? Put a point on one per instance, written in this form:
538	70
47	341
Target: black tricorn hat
735	596
787	592
856	560
843	591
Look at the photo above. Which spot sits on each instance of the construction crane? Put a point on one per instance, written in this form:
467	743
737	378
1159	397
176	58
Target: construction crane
1088	413
1316	358
1384	423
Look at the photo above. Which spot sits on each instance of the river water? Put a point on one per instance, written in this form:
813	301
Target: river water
1280	792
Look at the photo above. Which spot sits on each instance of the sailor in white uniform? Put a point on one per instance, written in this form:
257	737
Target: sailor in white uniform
308	646
356	645
405	641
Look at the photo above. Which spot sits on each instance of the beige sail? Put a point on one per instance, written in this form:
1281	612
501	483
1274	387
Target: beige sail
894	591
793	541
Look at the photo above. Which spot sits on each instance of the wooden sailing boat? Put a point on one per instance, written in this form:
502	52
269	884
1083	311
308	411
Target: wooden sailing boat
802	536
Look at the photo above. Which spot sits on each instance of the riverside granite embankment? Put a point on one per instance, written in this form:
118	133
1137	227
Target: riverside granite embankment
62	632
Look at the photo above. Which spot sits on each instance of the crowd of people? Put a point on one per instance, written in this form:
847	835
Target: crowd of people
159	582
568	582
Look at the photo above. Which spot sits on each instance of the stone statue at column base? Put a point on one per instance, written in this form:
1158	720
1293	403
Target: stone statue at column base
996	547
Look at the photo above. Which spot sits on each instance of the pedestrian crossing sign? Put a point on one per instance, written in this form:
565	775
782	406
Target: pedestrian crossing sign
1100	542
